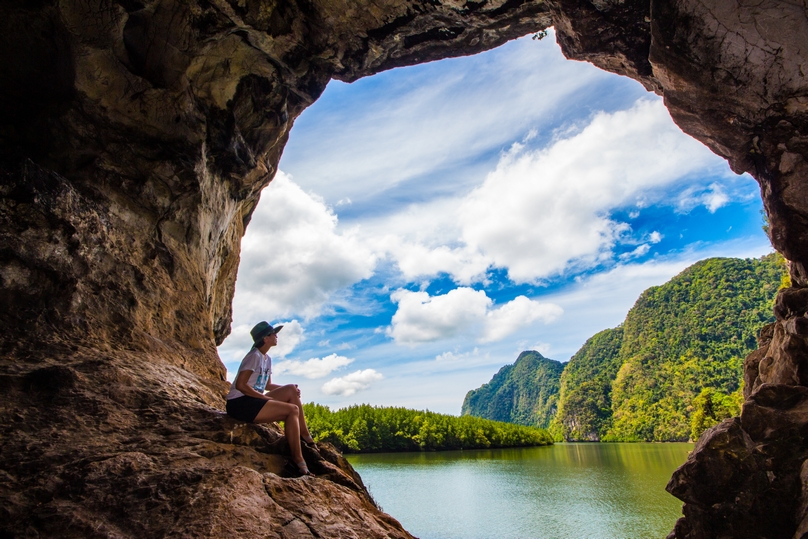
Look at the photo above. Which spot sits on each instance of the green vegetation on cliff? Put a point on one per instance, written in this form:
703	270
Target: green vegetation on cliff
585	397
690	334
525	393
365	428
674	367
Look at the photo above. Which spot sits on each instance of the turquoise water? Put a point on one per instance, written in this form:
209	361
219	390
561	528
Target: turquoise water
566	491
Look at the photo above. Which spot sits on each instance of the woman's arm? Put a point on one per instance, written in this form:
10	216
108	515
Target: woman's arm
242	383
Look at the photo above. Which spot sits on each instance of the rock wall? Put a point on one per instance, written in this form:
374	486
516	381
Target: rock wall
135	138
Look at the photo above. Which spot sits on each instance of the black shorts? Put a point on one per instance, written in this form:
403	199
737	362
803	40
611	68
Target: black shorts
244	408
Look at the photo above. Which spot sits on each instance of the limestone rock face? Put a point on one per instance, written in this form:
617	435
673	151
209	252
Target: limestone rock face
135	138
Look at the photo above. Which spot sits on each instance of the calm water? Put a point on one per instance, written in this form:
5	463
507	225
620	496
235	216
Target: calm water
567	491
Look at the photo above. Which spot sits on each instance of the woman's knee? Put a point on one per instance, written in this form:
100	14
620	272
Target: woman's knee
289	409
288	393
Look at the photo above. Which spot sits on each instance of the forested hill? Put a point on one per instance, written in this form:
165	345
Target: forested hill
672	369
525	393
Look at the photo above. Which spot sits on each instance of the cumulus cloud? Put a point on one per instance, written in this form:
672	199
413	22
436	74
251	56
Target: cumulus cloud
313	368
516	314
422	318
540	212
351	383
712	198
293	258
415	260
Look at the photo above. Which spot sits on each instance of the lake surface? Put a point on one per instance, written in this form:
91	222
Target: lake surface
566	491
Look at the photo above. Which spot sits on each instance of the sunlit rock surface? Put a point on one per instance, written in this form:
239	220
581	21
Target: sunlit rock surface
135	138
125	445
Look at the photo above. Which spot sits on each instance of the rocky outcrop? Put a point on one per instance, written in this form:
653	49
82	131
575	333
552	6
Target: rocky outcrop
135	138
126	445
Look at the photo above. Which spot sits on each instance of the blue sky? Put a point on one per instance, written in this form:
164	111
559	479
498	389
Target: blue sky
431	222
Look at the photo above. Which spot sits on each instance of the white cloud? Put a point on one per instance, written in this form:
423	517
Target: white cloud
542	211
516	314
641	250
313	368
421	122
289	337
455	357
423	318
712	198
423	240
465	265
293	259
351	383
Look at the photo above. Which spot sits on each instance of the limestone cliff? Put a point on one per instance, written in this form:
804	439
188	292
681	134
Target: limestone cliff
135	138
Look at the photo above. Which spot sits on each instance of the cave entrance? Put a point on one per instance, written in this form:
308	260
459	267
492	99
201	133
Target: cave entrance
433	221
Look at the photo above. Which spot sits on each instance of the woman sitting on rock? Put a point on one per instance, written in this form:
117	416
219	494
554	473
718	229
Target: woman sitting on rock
248	402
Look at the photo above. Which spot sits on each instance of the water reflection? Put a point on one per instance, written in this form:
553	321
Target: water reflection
573	491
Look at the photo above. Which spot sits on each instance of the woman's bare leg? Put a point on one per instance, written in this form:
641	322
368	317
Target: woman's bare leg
275	410
290	394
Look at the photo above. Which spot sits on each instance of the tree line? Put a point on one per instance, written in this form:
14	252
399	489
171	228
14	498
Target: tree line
365	429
